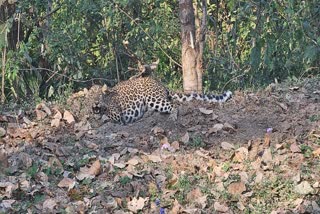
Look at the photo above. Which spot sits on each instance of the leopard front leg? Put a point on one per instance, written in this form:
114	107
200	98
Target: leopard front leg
163	106
133	112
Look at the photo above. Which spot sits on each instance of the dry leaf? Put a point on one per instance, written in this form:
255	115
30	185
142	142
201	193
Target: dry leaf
240	206
220	208
49	204
227	146
295	148
217	127
110	203
267	140
259	177
175	145
164	141
267	156
6	204
316	184
283	106
58	115
158	130
206	111
133	161
154	158
176	208
67	116
316	153
44	107
236	188
294	88
244	177
67	182
196	196
228	127
214	117
89	172
7	188
41	176
136	205
119	165
55	123
40	114
315	207
241	154
185	138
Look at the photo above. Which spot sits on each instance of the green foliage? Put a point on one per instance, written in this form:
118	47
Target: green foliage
257	42
77	43
124	180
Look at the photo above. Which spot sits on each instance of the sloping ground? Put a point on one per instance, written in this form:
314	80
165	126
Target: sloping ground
258	153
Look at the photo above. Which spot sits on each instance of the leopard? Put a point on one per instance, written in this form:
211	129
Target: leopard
129	100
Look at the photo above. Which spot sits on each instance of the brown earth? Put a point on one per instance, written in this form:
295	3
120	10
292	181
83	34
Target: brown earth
212	159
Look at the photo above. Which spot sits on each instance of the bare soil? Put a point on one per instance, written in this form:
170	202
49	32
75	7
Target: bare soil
243	156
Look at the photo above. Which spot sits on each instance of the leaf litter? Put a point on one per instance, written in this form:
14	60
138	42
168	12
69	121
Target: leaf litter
259	153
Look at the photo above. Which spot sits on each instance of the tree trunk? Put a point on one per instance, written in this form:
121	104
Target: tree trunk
4	54
192	46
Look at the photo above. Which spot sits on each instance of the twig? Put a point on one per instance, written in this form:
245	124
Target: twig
307	70
63	75
236	77
4	53
134	21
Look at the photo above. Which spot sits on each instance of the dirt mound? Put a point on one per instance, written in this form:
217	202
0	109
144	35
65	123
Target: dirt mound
257	153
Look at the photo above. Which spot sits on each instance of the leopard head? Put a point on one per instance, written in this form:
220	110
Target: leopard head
107	108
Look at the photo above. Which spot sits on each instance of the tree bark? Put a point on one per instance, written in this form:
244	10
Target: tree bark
192	46
4	54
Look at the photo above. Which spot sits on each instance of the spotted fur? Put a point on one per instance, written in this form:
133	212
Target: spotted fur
129	100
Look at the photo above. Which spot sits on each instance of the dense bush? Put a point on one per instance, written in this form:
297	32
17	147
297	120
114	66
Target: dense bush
74	43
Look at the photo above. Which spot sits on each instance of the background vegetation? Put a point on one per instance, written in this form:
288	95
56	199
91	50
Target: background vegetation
50	47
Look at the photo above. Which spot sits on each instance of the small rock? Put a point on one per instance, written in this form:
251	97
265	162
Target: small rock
304	188
185	138
3	132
